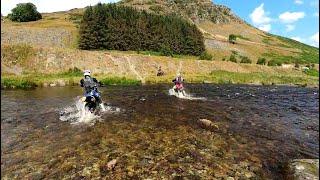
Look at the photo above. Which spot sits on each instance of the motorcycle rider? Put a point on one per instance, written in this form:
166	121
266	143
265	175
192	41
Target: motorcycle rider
90	88
178	82
89	83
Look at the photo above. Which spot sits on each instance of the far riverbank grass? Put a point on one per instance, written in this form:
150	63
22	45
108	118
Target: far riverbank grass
30	81
218	77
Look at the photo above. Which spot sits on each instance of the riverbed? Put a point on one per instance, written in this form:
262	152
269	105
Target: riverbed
258	129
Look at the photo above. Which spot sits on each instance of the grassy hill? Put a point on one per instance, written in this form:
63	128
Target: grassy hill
217	22
49	46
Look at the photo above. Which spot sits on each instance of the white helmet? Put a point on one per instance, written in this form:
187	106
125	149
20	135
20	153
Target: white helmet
87	73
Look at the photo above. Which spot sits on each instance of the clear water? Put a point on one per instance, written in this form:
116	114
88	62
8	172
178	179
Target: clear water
155	135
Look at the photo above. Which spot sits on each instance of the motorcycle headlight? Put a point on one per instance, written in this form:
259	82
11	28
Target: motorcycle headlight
83	99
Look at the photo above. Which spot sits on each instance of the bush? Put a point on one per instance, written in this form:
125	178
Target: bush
166	51
24	12
232	38
245	59
262	61
205	56
274	62
233	58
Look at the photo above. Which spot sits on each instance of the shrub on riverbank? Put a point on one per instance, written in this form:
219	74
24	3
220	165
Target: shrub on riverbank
124	28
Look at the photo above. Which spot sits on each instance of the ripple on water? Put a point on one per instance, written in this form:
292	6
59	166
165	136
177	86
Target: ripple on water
77	113
158	136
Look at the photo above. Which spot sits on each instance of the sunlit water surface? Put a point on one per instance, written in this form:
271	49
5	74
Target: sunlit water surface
154	135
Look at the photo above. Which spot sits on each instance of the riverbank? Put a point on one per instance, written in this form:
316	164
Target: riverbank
72	78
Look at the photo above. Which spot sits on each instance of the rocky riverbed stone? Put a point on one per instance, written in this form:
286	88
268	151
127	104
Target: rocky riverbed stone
304	169
207	124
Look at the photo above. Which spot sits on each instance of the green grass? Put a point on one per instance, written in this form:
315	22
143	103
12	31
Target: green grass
119	81
280	59
266	39
19	83
309	53
71	77
154	53
312	72
224	77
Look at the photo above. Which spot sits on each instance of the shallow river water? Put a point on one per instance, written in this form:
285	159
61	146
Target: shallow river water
157	136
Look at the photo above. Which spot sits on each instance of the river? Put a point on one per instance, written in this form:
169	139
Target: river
153	135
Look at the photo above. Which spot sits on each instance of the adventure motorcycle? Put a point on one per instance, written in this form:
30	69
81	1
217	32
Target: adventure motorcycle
92	100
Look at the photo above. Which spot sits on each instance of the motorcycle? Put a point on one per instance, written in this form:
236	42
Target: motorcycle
178	90
92	100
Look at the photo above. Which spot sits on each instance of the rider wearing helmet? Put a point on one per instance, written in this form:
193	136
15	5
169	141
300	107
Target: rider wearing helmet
92	95
178	82
88	82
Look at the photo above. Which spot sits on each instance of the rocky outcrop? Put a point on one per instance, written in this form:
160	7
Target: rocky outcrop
193	10
304	169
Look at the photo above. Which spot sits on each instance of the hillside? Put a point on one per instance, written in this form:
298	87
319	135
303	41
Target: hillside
52	46
217	22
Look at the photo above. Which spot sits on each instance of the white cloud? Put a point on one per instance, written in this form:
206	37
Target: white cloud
316	14
290	27
315	39
265	27
297	38
50	5
298	2
290	17
260	18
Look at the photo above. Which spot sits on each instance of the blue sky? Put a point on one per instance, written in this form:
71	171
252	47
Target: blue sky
297	19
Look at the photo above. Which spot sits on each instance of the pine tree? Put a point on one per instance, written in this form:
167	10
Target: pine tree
124	28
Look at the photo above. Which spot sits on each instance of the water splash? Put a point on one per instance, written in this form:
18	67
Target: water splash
184	95
77	113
